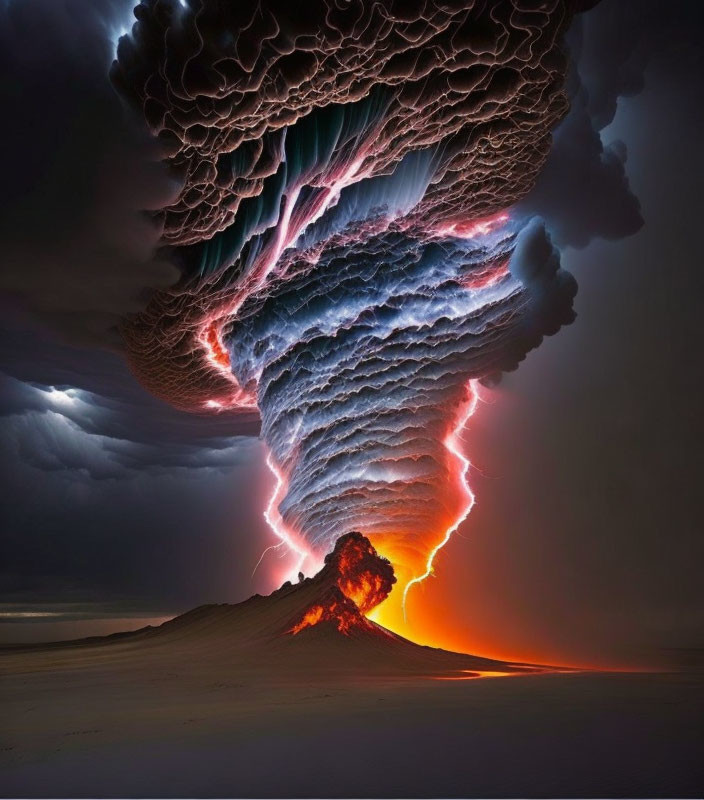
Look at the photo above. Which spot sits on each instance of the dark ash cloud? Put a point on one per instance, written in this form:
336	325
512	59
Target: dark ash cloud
583	191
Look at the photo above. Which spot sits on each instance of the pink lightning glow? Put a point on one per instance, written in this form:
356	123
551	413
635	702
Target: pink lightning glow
453	443
275	522
477	227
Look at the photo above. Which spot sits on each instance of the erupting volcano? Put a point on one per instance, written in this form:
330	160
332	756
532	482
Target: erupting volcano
353	581
314	629
274	278
354	260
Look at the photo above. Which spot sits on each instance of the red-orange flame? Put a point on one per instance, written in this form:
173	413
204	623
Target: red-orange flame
366	587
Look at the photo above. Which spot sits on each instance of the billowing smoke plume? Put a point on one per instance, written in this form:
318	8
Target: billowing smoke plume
354	263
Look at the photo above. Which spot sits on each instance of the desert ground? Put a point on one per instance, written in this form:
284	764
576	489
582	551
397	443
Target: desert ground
218	703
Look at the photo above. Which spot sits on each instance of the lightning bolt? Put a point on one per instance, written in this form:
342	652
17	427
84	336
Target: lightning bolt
275	522
453	443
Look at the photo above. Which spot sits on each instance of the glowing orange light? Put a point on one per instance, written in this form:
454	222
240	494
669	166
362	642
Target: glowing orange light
470	675
310	618
218	358
354	580
345	619
365	588
452	443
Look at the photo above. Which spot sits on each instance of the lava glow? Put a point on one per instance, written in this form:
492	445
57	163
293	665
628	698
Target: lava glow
361	575
344	618
312	617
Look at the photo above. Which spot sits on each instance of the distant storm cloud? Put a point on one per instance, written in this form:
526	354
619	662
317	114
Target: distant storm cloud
78	173
583	191
78	410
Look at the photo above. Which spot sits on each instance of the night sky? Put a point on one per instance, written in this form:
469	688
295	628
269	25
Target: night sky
584	546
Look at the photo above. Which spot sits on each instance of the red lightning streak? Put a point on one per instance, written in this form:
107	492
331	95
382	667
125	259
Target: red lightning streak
209	335
453	443
277	525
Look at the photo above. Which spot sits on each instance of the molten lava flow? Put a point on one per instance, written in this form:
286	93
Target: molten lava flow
453	444
344	616
310	618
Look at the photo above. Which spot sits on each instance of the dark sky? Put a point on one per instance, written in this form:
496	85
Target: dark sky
585	544
586	538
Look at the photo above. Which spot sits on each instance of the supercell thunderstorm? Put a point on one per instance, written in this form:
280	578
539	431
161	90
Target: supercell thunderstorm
352	263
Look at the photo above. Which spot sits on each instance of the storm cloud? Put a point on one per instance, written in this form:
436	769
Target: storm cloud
122	500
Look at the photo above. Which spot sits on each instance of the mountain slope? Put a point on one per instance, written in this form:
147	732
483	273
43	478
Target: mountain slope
312	628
